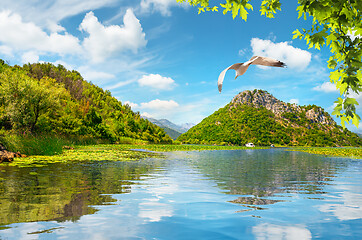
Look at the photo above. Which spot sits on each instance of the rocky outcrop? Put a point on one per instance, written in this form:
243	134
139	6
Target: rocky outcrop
317	115
260	98
7	156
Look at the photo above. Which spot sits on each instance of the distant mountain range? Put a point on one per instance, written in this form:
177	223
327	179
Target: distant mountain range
258	117
172	129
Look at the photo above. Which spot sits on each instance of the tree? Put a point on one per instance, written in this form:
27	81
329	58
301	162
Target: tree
25	99
336	24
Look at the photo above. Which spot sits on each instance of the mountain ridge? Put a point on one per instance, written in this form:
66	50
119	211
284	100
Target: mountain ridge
257	116
172	129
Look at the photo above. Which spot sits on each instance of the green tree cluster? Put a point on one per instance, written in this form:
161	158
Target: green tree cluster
335	23
43	98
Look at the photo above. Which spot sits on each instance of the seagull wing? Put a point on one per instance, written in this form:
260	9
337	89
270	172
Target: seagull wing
265	61
222	75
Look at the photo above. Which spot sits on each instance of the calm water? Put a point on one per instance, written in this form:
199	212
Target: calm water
250	194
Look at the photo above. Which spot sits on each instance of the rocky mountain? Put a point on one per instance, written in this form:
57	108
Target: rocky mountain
187	126
172	129
258	117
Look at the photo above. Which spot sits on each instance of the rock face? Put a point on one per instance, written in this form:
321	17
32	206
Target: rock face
260	98
7	156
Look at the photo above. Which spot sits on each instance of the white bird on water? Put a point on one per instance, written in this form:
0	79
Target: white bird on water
241	68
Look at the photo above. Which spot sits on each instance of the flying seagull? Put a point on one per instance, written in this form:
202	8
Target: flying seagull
241	68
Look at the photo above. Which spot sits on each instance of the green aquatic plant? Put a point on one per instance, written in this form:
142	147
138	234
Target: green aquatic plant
338	152
113	152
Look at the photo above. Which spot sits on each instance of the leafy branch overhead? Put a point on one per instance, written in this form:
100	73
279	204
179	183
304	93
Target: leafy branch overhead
336	24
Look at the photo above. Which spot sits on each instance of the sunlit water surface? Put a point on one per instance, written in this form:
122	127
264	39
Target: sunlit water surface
246	194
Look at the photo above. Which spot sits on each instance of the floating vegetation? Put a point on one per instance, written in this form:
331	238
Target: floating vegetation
112	152
86	153
190	147
131	152
329	151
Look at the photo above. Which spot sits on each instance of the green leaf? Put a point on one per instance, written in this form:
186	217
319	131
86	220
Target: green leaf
355	120
337	113
350	101
344	120
332	64
243	13
296	34
235	10
334	76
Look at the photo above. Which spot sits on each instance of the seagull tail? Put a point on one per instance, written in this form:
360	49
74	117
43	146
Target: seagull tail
219	86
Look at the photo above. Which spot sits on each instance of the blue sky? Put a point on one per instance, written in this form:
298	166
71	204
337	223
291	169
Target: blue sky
163	58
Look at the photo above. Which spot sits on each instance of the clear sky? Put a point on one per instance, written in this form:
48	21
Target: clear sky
163	58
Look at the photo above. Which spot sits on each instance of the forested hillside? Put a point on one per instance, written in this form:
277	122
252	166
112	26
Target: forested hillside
258	117
43	98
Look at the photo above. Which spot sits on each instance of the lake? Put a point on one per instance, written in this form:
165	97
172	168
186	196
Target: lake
230	194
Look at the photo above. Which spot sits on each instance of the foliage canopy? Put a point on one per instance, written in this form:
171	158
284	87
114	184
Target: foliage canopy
335	23
46	99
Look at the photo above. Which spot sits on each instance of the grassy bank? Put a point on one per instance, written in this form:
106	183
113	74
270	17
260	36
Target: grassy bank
45	145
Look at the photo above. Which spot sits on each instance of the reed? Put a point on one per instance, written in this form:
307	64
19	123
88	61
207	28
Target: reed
33	144
44	144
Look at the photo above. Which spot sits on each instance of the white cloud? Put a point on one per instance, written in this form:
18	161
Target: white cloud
326	87
293	57
147	115
91	75
162	105
358	98
273	231
103	41
349	207
157	108
294	101
27	36
154	211
119	84
6	51
49	13
242	52
347	204
157	81
30	57
162	6
107	41
64	64
131	104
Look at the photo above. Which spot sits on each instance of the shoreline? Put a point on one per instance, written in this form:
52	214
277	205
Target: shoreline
131	152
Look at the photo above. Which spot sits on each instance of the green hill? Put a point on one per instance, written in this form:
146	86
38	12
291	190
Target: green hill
46	99
258	117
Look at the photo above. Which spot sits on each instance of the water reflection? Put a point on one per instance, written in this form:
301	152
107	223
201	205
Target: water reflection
345	197
256	194
273	231
267	172
64	191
